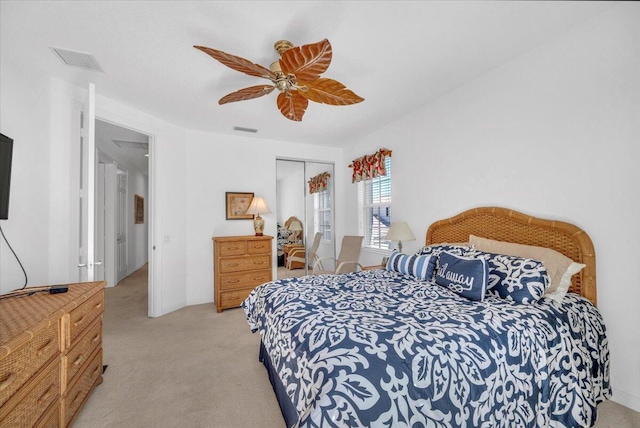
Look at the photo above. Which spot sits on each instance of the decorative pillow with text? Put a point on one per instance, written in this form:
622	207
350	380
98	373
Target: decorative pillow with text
465	276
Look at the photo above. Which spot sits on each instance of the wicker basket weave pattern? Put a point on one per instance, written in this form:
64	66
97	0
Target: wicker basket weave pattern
36	330
19	366
46	391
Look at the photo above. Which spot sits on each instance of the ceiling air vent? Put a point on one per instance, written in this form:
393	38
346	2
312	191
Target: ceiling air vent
241	129
83	60
124	144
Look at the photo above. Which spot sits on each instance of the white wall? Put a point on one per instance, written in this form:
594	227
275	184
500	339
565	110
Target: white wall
24	116
36	111
138	248
219	163
555	134
290	196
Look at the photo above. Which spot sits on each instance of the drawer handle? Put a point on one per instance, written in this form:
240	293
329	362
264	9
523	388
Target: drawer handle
77	323
258	263
234	248
44	348
98	306
78	360
95	371
73	402
45	396
96	338
7	381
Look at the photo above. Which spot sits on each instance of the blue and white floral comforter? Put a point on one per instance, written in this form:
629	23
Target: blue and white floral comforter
382	349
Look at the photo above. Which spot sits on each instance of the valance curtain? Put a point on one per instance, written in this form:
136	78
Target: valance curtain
318	183
369	166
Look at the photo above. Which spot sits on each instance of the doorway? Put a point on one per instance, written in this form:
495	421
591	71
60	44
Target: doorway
122	174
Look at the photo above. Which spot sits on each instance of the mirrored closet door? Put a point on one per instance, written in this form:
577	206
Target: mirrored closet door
305	215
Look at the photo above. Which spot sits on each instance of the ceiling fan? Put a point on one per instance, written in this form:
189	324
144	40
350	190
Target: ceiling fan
296	75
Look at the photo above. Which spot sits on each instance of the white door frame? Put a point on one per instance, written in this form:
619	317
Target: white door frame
152	207
83	176
121	220
109	258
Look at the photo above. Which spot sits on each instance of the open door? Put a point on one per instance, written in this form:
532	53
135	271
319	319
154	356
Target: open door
87	189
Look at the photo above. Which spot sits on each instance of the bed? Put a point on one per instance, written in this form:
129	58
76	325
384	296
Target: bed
390	348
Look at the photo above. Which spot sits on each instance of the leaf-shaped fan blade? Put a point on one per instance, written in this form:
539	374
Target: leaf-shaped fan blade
238	63
307	62
292	105
329	91
247	94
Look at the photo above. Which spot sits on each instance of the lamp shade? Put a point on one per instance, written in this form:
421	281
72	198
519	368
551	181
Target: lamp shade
295	226
258	206
399	231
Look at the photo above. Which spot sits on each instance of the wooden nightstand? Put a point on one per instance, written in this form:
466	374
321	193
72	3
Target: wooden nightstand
240	264
372	267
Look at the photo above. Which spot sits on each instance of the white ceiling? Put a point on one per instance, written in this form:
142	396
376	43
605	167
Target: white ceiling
398	55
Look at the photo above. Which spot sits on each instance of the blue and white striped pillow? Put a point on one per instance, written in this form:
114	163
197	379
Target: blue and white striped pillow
419	266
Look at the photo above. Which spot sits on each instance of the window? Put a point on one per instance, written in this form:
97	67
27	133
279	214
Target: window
374	202
322	213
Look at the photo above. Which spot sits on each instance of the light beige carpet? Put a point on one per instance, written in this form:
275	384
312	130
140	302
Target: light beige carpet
196	368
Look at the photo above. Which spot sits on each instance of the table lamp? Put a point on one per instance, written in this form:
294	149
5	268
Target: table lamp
295	227
399	231
258	206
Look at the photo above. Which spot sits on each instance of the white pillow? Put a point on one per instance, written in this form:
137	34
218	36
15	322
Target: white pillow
565	282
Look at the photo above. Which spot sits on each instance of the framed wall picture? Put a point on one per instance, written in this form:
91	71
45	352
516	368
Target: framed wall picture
139	213
237	203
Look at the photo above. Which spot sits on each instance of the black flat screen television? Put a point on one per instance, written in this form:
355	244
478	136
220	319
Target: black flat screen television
6	151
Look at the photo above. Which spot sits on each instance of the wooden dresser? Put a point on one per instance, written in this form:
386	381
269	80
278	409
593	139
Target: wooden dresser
50	355
240	263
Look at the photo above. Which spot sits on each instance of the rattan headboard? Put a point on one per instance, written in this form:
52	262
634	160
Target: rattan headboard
507	225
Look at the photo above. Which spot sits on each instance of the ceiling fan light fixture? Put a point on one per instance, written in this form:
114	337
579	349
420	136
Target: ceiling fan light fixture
296	75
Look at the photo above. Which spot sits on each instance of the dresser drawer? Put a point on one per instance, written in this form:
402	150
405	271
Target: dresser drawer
43	392
238	264
233	299
82	316
83	350
20	365
258	247
232	248
75	396
232	281
51	418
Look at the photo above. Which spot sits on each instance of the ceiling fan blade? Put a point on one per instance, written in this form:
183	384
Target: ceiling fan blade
307	62
292	105
329	91
237	63
247	94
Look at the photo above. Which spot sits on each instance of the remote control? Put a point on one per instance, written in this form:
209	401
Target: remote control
55	289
